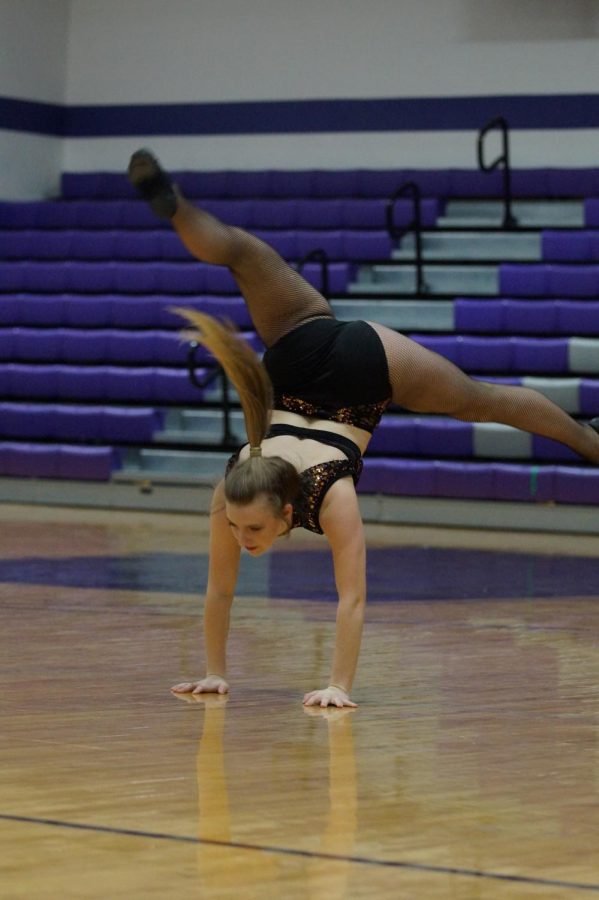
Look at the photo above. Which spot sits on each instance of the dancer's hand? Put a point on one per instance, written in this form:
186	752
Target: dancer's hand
211	684
329	696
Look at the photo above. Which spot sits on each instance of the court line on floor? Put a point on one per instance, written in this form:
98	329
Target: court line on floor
307	854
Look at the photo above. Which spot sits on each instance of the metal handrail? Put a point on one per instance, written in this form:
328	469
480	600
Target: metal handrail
509	220
412	190
319	256
228	437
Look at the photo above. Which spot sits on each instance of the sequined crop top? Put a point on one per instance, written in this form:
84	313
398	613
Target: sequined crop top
366	416
316	480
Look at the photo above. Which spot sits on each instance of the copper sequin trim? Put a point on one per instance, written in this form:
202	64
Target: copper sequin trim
366	416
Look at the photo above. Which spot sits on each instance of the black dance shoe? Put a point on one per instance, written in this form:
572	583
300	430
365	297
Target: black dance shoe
153	183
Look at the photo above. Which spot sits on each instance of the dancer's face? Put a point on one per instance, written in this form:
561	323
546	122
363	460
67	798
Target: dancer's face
255	525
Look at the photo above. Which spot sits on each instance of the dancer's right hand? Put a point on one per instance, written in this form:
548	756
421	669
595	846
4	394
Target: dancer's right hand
211	684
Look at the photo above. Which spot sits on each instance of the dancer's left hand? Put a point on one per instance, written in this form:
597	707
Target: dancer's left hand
329	696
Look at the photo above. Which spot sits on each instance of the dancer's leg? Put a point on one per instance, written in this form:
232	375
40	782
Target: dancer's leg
423	381
278	298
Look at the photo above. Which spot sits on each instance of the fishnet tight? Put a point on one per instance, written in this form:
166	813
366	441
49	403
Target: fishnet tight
279	299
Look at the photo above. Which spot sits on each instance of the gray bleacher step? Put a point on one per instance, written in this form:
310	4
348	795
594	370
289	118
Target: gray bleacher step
172	466
472	245
199	426
448	279
402	314
529	214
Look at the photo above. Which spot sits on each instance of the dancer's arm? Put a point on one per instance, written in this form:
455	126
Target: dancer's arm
342	524
223	568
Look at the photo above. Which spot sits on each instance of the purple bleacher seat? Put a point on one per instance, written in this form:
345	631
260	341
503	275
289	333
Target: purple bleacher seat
523	280
182	278
11	308
93	245
577	317
473	183
96	185
7	344
133	214
289	184
129	425
231	212
33	309
573	281
523	482
335	183
319	214
136	347
394	435
363	214
329	241
24	380
77	423
540	354
86	463
544	448
13	277
591	212
377	183
444	437
219	280
55	214
273	214
169	247
284	242
80	382
445	345
579	182
589	397
80	310
174	386
248	183
88	278
135	311
230	308
469	480
169	348
363	245
432	182
36	344
567	245
81	345
136	277
29	245
522	316
128	383
398	476
576	485
33	461
340	274
478	315
528	183
202	184
25	420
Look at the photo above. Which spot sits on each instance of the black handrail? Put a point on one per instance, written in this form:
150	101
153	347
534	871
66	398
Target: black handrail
228	437
509	220
319	256
411	189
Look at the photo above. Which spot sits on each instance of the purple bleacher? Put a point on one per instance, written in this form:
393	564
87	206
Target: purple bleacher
523	482
397	476
169	348
169	247
36	344
335	183
576	485
23	380
133	214
364	214
174	386
11	309
284	242
366	245
445	345
521	316
136	347
232	212
82	311
25	420
7	344
540	354
591	212
96	185
248	183
290	184
31	460
394	435
577	317
329	241
474	481
589	397
79	345
219	280
573	281
566	245
87	463
340	274
280	214
522	280
319	214
180	278
76	423
94	245
544	448
478	314
484	354
135	384
130	425
203	184
34	309
135	311
469	183
444	437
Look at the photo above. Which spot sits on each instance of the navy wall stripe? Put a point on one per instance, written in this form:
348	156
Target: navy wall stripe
301	116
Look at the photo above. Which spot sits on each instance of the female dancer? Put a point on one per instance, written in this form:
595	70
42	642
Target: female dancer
310	409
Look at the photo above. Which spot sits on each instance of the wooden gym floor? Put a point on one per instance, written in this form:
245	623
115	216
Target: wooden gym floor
469	770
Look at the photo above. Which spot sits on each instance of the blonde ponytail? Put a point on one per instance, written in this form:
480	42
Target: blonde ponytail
243	367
